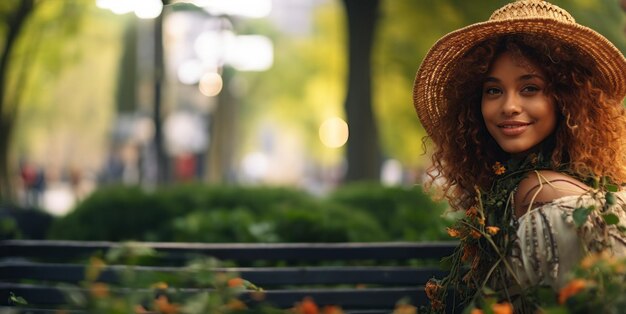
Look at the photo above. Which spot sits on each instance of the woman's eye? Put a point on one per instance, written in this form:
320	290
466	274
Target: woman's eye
492	91
530	89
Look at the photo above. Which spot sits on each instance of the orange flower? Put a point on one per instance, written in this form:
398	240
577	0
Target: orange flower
432	289
236	304
307	306
502	308
475	234
498	168
481	221
492	230
572	288
164	306
471	212
331	309
235	282
99	290
453	232
476	311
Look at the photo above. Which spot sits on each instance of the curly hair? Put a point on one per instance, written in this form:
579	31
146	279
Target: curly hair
590	137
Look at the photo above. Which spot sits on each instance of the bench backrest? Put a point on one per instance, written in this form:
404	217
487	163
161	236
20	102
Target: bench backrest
359	277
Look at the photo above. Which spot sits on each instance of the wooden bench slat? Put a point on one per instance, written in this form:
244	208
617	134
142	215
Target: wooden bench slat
261	276
242	251
371	298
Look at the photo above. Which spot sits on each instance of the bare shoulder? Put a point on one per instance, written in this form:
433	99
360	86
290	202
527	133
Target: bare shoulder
544	186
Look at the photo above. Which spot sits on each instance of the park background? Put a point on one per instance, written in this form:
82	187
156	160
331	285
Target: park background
225	121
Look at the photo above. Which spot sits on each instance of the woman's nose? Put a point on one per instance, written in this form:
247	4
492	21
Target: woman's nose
511	105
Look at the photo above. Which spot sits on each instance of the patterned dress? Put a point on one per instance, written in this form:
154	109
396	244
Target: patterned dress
549	244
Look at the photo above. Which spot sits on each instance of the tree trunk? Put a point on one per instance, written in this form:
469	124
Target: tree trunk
363	148
223	135
13	26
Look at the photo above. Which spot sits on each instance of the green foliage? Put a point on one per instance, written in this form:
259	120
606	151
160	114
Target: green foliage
23	223
327	222
192	213
406	213
117	213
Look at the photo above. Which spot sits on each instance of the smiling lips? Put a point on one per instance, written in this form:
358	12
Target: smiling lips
513	128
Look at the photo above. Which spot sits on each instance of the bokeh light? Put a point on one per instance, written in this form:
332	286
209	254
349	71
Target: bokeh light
245	8
190	72
334	132
210	84
148	9
144	9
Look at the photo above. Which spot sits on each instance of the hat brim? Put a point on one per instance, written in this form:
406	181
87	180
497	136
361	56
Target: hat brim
436	68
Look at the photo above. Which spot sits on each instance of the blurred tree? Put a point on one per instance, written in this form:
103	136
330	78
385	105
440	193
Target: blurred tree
35	54
13	16
363	151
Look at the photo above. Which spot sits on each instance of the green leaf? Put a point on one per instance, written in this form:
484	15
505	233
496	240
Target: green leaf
13	299
580	215
610	198
610	219
611	187
488	291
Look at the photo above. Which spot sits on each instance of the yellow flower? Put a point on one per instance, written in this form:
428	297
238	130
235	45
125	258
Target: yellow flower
453	232
405	309
498	168
492	230
160	285
572	288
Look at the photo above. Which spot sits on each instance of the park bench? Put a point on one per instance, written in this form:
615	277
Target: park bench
359	277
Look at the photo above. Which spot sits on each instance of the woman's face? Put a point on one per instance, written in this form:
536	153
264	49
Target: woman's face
516	110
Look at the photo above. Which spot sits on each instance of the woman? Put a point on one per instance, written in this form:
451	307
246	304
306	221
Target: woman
525	111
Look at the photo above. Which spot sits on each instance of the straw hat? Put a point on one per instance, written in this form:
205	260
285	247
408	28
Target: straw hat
522	16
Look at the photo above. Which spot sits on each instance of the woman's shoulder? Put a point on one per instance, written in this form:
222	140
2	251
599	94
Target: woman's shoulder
544	186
